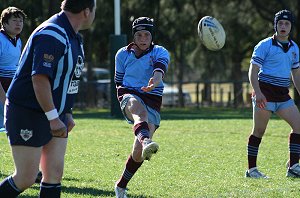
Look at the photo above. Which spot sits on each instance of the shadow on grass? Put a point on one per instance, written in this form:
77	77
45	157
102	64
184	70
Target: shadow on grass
87	191
71	179
26	196
3	175
92	192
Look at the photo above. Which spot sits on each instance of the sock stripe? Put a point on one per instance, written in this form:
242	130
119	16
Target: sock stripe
294	145
252	150
294	148
47	185
143	134
252	147
127	175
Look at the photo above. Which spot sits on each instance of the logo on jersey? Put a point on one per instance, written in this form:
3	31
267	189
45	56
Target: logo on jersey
74	84
48	59
79	66
25	134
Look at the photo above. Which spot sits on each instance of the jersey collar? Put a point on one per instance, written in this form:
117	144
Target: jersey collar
68	26
129	48
12	40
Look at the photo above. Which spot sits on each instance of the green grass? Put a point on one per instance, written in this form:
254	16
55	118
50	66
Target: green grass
202	154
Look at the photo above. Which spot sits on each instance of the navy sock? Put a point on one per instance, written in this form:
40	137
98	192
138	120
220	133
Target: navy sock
252	150
50	190
8	188
294	148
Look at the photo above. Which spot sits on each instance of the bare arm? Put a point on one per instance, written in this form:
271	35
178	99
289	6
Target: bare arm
153	82
2	94
42	89
253	78
296	78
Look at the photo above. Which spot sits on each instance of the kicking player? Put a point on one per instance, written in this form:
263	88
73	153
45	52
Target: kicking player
273	61
139	69
39	101
12	21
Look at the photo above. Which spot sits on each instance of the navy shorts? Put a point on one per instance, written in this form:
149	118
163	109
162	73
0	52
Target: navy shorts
27	127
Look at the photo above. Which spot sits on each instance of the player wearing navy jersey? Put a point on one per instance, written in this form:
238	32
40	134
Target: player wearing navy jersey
273	61
12	20
139	69
39	101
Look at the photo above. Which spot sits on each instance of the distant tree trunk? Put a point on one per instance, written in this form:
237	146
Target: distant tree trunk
181	74
206	93
237	80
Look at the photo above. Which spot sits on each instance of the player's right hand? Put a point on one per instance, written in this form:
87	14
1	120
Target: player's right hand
58	128
260	100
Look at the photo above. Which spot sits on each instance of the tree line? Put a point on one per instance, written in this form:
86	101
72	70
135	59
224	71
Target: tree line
246	22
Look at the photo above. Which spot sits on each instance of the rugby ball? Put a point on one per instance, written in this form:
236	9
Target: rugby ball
211	33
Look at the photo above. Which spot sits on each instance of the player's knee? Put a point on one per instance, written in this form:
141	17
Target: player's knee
295	128
258	132
137	109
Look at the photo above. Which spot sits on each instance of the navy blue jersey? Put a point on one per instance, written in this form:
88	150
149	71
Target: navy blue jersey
55	50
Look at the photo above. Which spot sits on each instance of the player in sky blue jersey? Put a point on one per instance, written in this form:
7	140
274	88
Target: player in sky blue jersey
40	98
12	21
274	61
139	70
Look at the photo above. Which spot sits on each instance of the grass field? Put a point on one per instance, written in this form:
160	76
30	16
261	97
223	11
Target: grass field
202	154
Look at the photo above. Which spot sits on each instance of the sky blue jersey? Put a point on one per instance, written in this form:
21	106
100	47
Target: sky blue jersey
9	55
132	73
55	50
275	64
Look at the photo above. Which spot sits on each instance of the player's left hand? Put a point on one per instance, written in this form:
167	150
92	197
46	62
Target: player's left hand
150	86
58	128
61	132
70	122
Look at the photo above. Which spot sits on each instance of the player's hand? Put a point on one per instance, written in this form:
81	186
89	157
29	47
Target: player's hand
58	128
260	100
150	86
70	121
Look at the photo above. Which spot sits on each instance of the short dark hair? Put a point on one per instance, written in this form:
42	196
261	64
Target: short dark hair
7	13
76	6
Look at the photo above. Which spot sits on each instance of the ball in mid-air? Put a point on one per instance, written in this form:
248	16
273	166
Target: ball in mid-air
211	33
